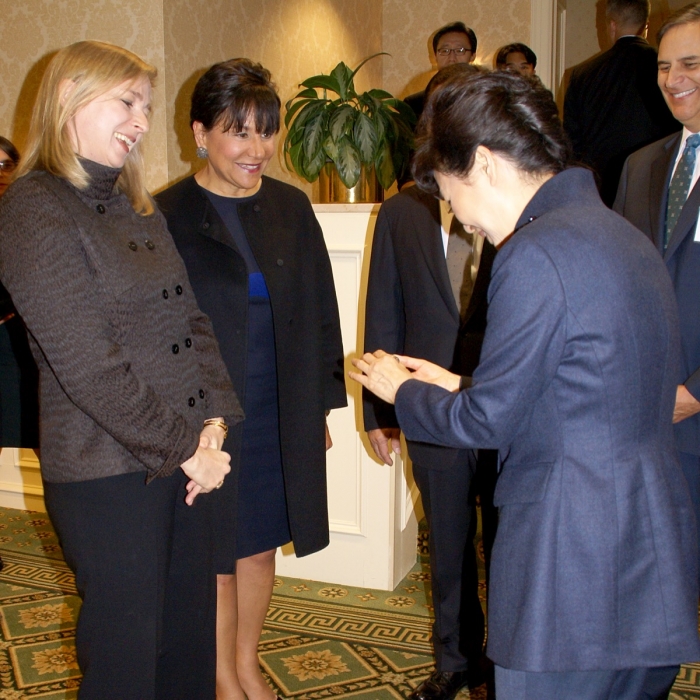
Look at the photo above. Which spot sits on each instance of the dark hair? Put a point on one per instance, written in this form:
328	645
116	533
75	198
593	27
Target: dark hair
686	15
502	54
9	148
458	27
229	92
628	13
444	74
507	113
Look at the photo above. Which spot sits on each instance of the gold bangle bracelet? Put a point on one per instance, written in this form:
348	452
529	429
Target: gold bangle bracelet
219	424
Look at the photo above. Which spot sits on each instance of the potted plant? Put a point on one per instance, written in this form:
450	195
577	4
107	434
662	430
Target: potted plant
352	135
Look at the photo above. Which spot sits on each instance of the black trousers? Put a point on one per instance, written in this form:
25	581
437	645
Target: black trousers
449	502
627	684
143	566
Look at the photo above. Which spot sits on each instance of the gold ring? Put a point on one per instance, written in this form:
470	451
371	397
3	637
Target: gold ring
219	485
397	358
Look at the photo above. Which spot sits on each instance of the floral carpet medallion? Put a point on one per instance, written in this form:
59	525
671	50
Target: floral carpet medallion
320	640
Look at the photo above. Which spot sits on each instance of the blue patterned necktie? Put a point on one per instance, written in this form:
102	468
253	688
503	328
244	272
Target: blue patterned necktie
680	184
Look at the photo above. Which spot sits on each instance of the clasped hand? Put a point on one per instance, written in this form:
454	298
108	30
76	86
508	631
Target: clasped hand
208	466
383	374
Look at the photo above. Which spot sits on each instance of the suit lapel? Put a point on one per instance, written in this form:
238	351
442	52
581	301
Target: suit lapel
686	221
660	176
434	254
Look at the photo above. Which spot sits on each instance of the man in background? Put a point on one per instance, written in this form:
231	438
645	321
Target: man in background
516	57
613	106
659	195
426	297
453	43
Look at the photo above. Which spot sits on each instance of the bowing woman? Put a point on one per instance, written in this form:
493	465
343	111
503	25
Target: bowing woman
134	395
593	582
260	269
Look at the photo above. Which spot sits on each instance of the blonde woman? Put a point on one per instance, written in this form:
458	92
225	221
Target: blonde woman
135	399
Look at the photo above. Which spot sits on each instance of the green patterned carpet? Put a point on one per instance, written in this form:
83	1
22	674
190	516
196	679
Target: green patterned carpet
320	640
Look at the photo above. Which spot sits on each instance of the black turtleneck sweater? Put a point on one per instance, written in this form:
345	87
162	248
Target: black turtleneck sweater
129	366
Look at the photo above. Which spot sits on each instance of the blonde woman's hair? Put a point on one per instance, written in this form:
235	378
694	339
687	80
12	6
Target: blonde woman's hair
95	67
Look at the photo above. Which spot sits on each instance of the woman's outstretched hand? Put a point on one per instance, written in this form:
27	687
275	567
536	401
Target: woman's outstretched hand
383	374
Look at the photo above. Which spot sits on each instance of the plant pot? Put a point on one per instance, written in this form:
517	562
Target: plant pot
331	189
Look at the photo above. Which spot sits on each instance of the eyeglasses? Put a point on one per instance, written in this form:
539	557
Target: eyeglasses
7	166
459	51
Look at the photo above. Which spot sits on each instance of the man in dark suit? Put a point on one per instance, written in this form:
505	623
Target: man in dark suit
612	106
412	308
659	195
453	43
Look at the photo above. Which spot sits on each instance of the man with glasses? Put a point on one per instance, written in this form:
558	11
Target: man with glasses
613	106
453	43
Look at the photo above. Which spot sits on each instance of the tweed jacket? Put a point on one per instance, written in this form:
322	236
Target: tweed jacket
594	565
128	364
287	242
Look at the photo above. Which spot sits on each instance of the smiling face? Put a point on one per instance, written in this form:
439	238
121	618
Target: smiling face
679	73
106	129
236	159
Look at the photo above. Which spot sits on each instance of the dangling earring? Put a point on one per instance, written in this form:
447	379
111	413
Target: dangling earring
202	152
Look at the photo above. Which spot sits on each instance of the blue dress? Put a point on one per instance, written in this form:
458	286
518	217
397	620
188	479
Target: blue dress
262	522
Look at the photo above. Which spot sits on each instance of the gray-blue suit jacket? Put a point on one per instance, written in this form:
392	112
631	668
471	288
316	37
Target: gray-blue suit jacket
595	555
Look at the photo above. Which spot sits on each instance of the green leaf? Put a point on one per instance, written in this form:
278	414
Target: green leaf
348	162
330	148
291	111
313	135
384	166
309	111
325	82
295	163
343	76
380	94
369	58
309	92
365	136
379	125
406	113
313	166
341	121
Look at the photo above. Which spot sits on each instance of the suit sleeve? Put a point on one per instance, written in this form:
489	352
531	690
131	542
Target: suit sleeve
524	343
384	315
335	394
45	270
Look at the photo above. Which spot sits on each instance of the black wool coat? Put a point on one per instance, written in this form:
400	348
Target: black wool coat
288	245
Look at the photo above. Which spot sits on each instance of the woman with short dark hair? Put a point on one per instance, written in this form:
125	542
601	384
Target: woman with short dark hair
259	267
593	589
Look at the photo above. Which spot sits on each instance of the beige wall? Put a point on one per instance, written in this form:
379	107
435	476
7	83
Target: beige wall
294	39
32	30
407	25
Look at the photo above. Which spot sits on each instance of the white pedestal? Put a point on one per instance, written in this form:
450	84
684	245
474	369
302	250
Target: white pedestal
371	506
